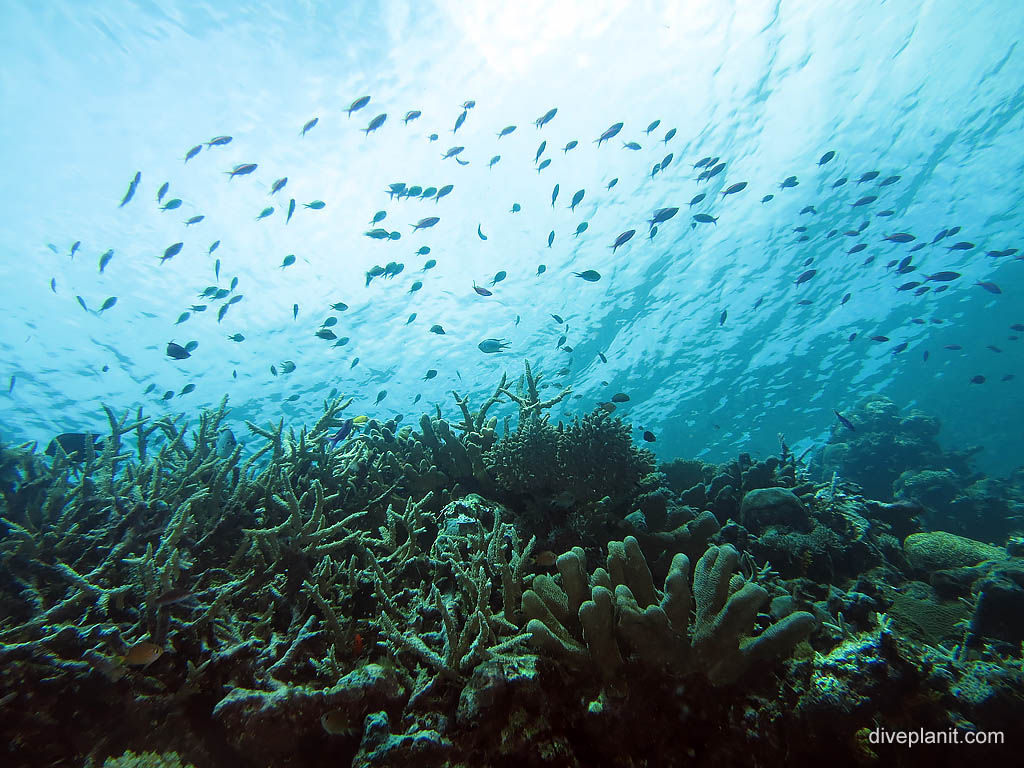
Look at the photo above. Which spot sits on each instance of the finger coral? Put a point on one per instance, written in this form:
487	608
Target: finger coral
582	620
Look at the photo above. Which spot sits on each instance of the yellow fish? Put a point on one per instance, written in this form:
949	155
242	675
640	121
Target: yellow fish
142	654
360	419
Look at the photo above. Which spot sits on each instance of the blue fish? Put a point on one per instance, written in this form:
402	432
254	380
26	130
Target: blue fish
843	420
342	433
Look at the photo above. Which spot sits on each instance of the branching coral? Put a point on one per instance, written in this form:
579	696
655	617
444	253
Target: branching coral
440	633
589	459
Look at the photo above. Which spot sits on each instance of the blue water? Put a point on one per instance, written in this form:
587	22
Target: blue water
929	91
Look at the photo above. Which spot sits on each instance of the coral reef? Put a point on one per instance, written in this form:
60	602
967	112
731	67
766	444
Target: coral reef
393	599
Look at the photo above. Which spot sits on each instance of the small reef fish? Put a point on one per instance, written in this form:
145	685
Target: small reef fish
490	346
425	223
546	118
805	276
73	444
376	123
611	132
176	351
662	215
142	655
358	104
844	421
132	186
344	431
460	120
241	170
622	239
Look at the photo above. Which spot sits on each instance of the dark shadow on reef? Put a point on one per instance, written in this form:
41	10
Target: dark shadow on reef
546	596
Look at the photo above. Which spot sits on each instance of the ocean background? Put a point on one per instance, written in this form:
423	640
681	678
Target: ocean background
929	91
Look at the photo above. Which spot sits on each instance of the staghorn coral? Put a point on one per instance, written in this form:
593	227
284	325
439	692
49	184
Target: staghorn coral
439	634
264	560
617	612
